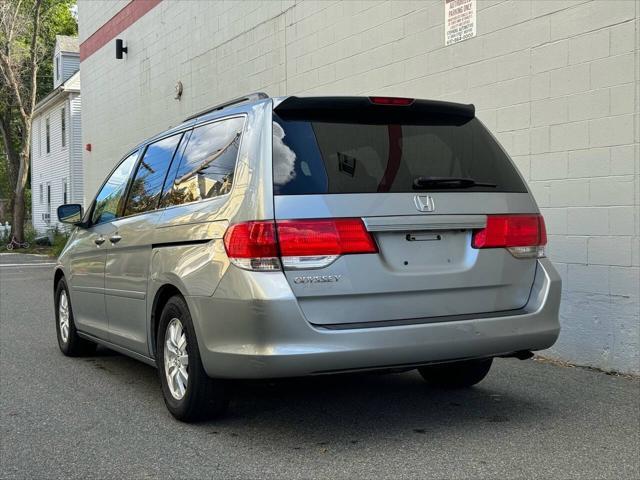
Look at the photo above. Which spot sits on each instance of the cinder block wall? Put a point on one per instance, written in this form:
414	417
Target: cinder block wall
557	81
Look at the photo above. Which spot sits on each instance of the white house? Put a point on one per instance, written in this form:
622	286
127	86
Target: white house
56	148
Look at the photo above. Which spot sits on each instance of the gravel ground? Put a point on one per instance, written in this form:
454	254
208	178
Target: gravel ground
103	416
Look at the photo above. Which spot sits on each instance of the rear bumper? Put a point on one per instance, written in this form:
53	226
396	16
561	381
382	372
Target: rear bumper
252	327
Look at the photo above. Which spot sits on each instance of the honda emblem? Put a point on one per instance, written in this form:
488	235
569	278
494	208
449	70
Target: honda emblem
424	203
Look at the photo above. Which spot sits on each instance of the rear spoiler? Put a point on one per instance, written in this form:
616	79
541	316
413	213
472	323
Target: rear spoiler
370	110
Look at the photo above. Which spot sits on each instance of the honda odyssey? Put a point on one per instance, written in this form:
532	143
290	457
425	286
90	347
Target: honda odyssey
281	237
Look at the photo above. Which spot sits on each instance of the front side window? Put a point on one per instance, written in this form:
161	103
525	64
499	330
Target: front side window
207	165
63	127
109	200
152	170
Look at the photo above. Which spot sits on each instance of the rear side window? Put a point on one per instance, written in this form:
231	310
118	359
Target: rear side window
320	157
111	196
147	184
208	163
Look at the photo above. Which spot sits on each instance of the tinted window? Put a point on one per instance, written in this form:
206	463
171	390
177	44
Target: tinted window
207	165
109	200
152	170
316	157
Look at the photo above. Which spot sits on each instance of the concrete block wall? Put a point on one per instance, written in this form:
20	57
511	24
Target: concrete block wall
556	81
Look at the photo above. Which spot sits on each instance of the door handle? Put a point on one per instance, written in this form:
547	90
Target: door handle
115	238
99	241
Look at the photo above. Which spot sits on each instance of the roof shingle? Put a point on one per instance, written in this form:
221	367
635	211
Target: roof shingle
67	43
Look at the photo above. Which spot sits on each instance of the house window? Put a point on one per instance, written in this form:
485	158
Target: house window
41	195
57	68
48	134
64	192
48	193
63	128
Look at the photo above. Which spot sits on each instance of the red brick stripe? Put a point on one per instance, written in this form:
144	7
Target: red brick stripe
115	25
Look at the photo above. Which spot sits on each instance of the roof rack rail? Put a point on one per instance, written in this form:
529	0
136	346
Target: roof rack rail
252	97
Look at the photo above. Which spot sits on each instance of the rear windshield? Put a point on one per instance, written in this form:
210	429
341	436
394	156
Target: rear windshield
325	157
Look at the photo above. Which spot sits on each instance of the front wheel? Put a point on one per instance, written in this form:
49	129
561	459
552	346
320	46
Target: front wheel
458	374
189	394
69	341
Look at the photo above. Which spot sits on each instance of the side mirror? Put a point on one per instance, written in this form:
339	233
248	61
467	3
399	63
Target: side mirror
71	213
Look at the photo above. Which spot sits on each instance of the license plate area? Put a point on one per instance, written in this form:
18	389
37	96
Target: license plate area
425	251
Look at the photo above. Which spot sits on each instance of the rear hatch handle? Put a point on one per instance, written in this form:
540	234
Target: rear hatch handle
424	222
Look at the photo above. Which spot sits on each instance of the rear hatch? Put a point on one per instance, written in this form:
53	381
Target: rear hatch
421	177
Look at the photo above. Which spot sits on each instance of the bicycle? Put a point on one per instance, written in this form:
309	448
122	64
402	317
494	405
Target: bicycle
16	244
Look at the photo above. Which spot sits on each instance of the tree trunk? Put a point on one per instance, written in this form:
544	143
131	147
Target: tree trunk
13	156
17	226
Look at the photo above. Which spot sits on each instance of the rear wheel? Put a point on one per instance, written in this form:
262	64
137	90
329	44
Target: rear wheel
189	394
458	374
69	341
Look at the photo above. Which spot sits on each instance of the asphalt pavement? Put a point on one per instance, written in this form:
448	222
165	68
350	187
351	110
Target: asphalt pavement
103	416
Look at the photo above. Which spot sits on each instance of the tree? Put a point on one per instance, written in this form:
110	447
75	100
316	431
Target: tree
27	36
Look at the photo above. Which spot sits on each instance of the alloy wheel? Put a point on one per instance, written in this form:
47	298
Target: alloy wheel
176	358
63	316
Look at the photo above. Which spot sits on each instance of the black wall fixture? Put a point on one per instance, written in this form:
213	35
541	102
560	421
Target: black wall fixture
120	48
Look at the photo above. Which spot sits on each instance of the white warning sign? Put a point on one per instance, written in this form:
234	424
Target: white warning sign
459	20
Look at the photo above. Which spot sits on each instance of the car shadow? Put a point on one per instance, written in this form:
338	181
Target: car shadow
341	405
346	409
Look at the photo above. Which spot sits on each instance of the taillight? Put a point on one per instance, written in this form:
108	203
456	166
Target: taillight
523	235
397	101
317	243
299	244
253	245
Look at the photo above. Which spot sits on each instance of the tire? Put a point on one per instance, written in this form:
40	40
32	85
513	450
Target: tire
69	341
9	246
456	375
189	394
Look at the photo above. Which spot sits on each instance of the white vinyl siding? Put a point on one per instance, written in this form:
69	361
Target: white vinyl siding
70	64
65	65
76	175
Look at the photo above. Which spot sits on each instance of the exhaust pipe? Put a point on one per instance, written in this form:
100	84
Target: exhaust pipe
520	355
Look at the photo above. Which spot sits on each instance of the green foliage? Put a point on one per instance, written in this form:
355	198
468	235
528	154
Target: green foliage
30	233
4	178
59	241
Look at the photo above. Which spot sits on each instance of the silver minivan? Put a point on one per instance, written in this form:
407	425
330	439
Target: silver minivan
281	237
